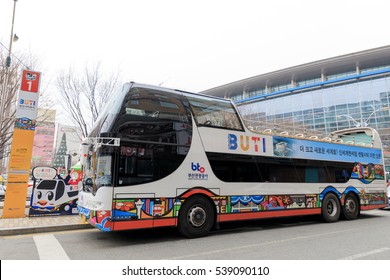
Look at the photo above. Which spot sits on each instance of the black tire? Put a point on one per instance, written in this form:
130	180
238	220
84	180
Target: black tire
351	207
196	217
331	208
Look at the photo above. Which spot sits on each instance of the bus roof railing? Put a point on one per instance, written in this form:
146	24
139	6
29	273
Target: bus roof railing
283	128
290	130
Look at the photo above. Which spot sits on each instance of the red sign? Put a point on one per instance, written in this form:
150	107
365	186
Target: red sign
30	81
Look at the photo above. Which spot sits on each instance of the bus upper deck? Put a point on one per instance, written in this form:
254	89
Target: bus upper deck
216	112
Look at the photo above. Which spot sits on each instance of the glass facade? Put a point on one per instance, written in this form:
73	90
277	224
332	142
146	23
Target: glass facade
318	98
325	109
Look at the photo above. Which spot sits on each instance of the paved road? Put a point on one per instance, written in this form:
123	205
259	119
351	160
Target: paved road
304	238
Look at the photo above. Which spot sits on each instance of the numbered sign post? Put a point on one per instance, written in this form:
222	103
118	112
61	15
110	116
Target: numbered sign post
22	144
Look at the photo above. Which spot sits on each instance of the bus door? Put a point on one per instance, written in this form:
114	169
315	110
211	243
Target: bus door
130	208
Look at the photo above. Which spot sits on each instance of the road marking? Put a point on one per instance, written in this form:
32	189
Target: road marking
49	248
365	254
251	246
57	233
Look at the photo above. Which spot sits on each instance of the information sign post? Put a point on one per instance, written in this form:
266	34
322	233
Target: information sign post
22	144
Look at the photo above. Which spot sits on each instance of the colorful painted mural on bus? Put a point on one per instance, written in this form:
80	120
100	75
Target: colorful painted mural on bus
366	173
137	209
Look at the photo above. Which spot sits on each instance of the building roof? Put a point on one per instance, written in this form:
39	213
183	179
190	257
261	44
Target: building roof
340	64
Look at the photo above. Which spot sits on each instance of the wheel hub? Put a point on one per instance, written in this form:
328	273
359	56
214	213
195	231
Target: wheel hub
331	208
197	216
350	205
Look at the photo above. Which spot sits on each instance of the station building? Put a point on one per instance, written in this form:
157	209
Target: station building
350	90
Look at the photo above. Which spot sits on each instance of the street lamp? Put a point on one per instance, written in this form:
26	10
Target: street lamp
364	123
13	37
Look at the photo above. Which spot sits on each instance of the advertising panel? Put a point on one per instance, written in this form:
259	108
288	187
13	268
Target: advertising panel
52	194
297	148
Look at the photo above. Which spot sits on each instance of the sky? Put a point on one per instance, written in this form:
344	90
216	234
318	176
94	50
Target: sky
191	45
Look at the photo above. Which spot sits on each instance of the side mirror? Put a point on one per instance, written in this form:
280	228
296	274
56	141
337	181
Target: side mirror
89	182
88	185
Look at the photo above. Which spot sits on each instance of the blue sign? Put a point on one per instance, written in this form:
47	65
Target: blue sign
297	148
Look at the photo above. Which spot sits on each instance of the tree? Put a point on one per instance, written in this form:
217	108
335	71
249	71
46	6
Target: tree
10	78
84	95
9	84
59	157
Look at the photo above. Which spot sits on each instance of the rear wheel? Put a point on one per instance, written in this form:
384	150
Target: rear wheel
196	217
351	207
331	208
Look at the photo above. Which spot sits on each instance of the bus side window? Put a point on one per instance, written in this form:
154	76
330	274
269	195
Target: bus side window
145	163
207	112
341	175
135	166
127	164
231	120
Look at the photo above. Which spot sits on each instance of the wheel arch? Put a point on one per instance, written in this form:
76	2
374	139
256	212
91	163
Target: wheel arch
349	191
186	193
330	189
353	192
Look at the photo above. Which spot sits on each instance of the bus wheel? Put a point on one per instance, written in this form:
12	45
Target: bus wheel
351	207
196	217
331	208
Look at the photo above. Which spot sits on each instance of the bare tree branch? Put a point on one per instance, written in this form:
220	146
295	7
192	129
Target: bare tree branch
9	83
9	88
84	95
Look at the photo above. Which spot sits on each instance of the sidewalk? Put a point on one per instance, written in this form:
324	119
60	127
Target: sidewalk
28	225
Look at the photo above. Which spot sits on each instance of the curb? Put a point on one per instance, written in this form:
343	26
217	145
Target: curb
42	229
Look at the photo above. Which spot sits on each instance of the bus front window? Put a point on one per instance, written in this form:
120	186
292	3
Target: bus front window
103	171
99	168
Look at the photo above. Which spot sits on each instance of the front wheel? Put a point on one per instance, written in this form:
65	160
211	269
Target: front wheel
331	208
351	207
196	217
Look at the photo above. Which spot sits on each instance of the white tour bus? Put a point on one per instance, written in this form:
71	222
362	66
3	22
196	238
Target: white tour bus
160	157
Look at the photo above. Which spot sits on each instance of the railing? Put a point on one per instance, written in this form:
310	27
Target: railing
304	133
283	129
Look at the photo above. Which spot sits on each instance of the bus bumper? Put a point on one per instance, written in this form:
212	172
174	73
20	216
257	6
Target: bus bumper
100	219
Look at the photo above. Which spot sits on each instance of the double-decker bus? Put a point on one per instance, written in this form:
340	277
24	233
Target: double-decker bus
160	157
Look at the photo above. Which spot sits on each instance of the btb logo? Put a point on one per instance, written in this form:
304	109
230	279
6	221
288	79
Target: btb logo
197	167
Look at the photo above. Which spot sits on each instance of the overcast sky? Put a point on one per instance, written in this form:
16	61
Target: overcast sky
192	45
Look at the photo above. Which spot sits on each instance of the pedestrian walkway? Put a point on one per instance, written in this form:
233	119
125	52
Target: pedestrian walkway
28	225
